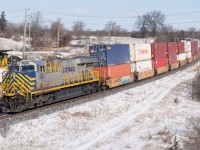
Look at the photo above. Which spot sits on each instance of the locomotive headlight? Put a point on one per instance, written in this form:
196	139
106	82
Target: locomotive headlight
3	92
18	92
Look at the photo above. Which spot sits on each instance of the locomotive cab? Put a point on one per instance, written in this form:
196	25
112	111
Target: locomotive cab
17	83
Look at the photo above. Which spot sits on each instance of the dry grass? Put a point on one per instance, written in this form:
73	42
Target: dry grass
194	138
194	88
123	131
163	133
81	114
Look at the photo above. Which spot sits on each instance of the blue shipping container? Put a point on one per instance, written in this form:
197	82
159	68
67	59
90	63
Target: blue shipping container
110	54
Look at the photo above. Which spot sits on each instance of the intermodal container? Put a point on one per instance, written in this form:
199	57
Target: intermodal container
160	62
181	57
194	48
199	51
110	54
180	46
172	48
159	50
172	59
141	66
189	55
197	43
114	71
140	52
187	46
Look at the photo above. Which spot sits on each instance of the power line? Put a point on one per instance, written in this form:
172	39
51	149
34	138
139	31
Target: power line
185	22
12	11
100	24
115	17
95	17
185	13
16	17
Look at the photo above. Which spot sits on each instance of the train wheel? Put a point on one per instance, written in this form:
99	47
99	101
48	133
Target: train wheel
41	103
104	88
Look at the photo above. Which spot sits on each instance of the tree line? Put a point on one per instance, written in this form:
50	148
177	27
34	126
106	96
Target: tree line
150	24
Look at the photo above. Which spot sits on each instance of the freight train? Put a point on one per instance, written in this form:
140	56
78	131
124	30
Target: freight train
32	84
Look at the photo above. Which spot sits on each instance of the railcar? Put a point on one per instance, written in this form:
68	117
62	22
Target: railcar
31	84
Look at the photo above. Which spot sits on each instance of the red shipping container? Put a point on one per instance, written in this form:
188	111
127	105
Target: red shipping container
180	46
114	71
171	48
194	48
159	50
160	62
172	59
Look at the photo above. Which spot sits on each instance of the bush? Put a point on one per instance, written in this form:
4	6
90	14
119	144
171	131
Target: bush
193	142
194	88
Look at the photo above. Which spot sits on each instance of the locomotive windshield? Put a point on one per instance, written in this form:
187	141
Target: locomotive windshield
27	68
22	68
13	68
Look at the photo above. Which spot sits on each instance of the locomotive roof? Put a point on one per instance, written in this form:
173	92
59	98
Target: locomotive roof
78	60
39	62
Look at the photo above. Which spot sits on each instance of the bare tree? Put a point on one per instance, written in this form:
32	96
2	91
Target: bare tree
78	29
166	34
36	21
66	38
113	28
141	24
14	30
57	26
151	21
155	20
191	32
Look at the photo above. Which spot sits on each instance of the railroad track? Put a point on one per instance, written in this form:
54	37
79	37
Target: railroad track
6	119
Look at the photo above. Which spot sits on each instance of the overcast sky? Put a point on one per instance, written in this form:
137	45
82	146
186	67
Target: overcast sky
96	13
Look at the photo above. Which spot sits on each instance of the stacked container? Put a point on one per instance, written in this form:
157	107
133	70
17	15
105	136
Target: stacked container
113	63
195	48
141	62
181	56
187	47
159	57
172	55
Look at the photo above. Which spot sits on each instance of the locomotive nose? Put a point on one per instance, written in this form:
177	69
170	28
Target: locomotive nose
9	84
17	83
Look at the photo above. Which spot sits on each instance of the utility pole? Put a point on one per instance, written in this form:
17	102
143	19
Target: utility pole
109	34
29	35
24	40
58	38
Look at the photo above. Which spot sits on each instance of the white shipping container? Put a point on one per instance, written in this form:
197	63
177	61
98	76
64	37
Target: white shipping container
187	46
189	55
140	52
141	66
181	57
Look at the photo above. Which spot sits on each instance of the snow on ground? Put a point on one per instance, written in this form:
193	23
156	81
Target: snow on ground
9	44
39	55
144	117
